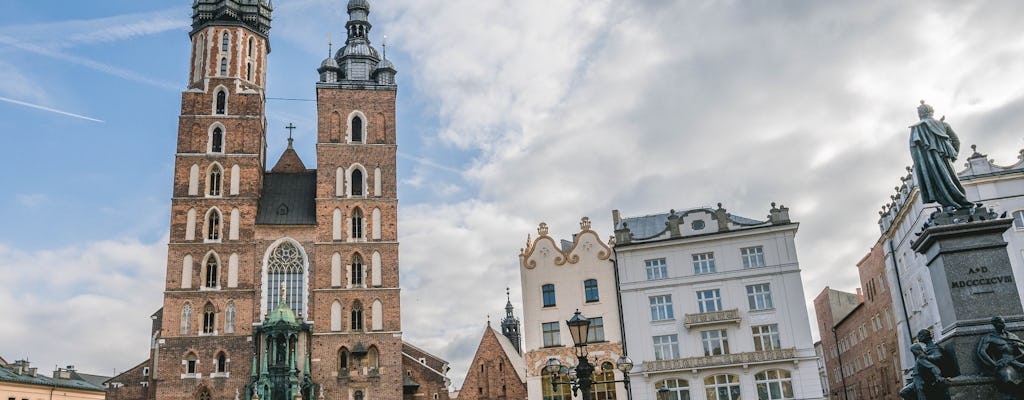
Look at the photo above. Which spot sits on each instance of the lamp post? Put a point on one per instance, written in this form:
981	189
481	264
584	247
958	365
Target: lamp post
580	377
663	392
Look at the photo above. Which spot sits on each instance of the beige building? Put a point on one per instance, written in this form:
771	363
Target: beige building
20	381
557	279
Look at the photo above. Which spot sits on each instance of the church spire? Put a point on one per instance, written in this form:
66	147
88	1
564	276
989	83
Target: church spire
510	324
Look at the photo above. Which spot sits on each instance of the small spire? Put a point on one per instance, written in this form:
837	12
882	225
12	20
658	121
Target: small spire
330	46
384	46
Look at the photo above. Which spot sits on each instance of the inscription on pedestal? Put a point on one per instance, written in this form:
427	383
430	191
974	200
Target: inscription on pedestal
980	276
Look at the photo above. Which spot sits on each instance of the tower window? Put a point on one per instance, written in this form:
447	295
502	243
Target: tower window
357	129
186	319
229	317
212	268
357	224
357	182
250	46
286	265
357	316
357	270
190	363
248	72
222	102
224	66
216	175
343	359
217	141
209	318
213	225
222	362
225	42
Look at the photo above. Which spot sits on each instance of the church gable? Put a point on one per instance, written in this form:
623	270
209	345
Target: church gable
497	371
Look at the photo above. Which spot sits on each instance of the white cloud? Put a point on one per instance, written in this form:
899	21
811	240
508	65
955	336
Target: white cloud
30	199
71	33
86	305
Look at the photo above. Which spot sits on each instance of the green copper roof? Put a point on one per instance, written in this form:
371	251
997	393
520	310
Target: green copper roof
282	314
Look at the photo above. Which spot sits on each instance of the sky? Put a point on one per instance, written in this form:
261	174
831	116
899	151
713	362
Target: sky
510	113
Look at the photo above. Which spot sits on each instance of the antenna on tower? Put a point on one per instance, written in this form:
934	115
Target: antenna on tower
330	46
384	46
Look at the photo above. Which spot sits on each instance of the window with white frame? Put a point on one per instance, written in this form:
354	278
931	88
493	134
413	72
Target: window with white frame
716	342
222	363
766	337
656	269
551	334
661	307
357	224
286	265
213	225
709	300
759	297
209	319
704	263
222	102
216	177
217	140
753	257
722	387
666	347
775	384
678	389
596	331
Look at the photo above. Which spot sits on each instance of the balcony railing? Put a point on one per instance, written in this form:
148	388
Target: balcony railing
723	360
711	318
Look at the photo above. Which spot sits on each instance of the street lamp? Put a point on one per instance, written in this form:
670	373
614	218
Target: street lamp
580	377
663	392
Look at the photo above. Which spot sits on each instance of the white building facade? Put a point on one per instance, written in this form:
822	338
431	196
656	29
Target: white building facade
714	306
998	187
559	278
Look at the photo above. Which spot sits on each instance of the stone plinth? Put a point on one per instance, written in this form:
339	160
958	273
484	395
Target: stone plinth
973	282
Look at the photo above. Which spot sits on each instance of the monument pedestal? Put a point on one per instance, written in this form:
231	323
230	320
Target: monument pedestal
973	282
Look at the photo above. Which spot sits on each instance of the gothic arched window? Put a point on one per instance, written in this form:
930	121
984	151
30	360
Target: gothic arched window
286	265
209	318
357	316
343	359
225	41
224	67
357	224
373	357
357	182
217	140
212	270
216	177
357	129
229	318
186	319
222	102
357	270
213	225
222	362
250	46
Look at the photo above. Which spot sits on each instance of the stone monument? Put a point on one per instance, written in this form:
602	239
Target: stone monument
967	261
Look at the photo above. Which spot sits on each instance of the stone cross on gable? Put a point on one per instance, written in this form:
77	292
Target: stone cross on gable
290	128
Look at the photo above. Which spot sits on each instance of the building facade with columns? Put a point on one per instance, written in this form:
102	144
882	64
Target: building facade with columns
999	187
715	306
558	278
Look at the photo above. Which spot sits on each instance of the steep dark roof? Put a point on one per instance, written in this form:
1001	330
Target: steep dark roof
288	199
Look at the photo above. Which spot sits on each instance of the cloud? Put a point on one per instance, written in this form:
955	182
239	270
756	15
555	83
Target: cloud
72	33
97	293
53	110
30	200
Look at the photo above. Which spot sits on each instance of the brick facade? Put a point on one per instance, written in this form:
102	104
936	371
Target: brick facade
858	335
493	374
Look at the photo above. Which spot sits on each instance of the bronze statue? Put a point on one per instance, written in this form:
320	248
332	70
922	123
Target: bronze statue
929	382
1002	352
933	147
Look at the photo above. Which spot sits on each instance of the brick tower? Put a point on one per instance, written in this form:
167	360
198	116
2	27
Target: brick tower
283	283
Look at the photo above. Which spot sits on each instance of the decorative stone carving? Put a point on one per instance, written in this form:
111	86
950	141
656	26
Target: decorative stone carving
542	229
721	360
711	318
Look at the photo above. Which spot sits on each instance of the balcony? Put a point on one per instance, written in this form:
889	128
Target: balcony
712	318
724	360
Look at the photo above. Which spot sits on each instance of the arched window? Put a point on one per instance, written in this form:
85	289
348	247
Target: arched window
357	129
356	278
225	42
212	268
373	357
224	67
216	178
213	225
548	295
359	395
233	270
558	392
222	102
193	180
286	265
222	362
229	318
343	360
774	384
377	315
209	318
603	391
336	225
722	387
190	368
336	316
336	269
250	46
357	316
357	182
375	278
678	389
186	319
357	224
186	272
217	140
377	222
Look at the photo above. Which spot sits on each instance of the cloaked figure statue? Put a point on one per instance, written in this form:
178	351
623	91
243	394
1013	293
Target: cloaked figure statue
1003	353
933	147
931	365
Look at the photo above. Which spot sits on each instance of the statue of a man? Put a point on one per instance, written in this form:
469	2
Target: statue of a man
1002	352
933	147
929	383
